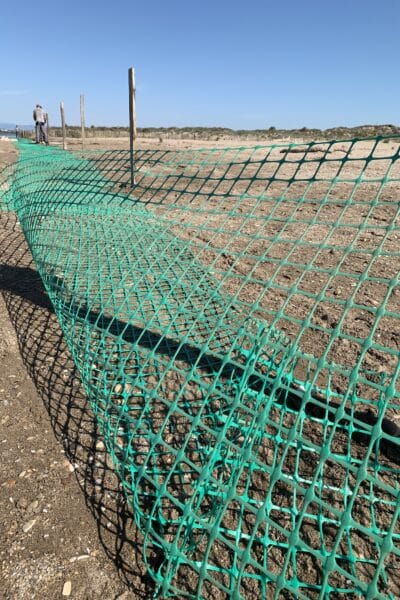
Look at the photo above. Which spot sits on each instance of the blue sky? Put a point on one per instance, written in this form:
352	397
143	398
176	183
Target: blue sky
244	65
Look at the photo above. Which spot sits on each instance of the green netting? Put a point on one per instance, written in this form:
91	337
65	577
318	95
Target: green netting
235	318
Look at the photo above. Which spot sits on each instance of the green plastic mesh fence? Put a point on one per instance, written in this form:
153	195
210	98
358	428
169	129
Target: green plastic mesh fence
235	318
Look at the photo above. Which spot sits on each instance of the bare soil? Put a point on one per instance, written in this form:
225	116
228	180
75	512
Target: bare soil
62	514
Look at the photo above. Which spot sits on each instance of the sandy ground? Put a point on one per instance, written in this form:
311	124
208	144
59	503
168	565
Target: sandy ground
62	515
63	520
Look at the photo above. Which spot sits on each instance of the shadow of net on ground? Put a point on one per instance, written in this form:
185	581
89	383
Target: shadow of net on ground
295	460
50	365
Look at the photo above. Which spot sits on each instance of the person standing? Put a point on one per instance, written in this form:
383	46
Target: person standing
39	116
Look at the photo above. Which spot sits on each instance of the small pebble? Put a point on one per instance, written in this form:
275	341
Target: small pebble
67	587
13	529
33	506
68	466
81	557
28	525
22	503
65	375
124	596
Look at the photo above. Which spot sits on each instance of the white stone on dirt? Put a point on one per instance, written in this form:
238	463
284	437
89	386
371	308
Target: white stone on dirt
67	588
28	525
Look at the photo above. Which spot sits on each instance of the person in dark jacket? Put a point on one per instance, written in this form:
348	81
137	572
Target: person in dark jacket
40	118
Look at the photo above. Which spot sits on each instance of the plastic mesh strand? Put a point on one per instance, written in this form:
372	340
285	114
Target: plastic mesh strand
235	319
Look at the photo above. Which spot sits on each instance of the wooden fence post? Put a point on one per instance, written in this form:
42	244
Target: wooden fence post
132	120
48	127
83	119
63	123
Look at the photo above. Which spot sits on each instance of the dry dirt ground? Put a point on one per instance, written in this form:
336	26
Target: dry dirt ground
63	521
62	515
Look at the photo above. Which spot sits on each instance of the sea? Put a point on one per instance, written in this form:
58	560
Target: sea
9	130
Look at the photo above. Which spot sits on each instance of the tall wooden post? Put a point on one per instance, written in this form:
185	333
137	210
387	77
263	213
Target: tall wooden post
132	119
83	119
63	123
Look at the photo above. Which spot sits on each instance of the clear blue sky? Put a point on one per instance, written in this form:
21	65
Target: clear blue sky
244	65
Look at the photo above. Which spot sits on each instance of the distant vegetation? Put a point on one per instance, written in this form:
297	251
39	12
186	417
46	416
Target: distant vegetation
223	133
